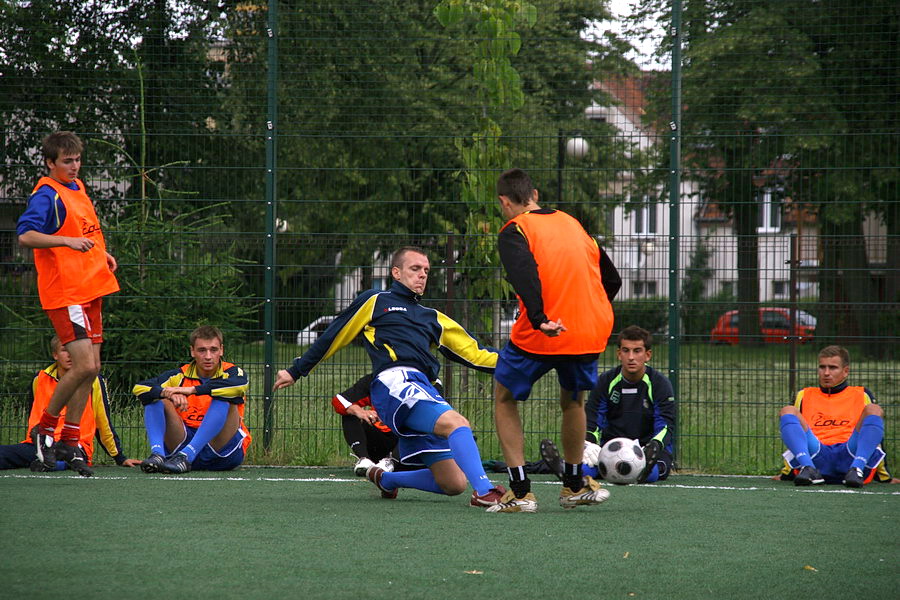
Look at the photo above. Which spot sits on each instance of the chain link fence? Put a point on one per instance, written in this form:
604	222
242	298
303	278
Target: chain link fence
254	164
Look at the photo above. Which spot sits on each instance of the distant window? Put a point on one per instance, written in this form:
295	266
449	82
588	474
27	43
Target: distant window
643	288
780	289
772	319
644	216
769	212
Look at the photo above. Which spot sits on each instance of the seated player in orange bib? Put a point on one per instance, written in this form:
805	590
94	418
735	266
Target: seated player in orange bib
194	415
94	421
833	432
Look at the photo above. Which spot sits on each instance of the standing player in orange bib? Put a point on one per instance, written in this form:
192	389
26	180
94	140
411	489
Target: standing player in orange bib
74	273
564	283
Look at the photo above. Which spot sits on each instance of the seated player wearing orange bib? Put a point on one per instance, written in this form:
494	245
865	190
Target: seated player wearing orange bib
74	272
94	421
194	415
833	431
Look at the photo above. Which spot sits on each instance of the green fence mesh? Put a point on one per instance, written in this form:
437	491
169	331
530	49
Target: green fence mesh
255	163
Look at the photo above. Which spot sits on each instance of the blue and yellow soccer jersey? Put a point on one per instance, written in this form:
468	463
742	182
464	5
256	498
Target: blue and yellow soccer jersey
397	332
229	383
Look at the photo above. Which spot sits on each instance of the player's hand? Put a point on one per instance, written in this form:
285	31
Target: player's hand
169	392
552	328
80	244
179	401
366	416
282	379
111	262
130	462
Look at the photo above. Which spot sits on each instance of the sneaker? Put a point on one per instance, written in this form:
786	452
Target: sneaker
177	464
74	458
510	504
387	463
153	463
490	498
808	476
590	493
651	452
45	450
854	478
374	475
362	465
550	454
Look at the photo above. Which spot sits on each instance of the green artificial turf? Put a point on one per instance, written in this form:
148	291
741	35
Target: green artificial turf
322	533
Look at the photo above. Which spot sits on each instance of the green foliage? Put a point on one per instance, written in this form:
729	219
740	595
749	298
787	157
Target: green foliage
651	314
175	274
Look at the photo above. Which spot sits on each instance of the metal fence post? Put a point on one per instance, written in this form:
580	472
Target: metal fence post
674	198
271	182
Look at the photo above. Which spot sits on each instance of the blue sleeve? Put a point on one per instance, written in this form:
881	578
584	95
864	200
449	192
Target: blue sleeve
150	390
341	332
663	410
232	387
45	213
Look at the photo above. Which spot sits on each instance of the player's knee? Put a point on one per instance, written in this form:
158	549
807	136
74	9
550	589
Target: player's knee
454	487
789	410
872	409
449	422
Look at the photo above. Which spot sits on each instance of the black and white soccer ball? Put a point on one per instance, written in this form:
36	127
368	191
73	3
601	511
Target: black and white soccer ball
621	460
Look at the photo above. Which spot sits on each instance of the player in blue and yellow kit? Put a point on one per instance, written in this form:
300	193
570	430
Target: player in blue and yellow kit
833	432
399	334
194	415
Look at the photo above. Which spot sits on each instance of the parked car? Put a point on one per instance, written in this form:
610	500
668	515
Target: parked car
311	332
774	326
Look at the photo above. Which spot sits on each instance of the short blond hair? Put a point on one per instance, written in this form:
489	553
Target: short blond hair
829	351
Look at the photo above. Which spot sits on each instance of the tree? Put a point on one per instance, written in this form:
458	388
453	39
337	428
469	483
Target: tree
767	81
369	126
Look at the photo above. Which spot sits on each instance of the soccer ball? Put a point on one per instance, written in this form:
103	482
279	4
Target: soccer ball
621	460
591	454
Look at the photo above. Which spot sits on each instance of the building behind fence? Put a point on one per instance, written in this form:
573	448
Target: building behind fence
254	168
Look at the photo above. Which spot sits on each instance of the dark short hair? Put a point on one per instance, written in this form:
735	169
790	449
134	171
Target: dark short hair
829	351
207	332
633	333
397	256
516	185
61	142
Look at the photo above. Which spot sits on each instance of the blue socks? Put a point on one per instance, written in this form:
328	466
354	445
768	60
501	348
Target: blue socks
212	424
465	453
155	424
794	437
870	434
421	479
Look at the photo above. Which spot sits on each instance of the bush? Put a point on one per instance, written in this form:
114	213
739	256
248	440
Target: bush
652	314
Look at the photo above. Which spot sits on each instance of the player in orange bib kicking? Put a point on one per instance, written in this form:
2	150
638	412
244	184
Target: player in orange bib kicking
833	431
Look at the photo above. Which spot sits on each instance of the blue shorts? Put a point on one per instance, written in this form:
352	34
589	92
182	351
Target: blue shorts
833	460
410	405
229	457
518	373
